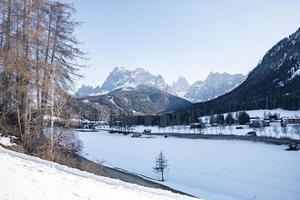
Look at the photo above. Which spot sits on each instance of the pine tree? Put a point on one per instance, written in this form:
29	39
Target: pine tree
243	118
229	119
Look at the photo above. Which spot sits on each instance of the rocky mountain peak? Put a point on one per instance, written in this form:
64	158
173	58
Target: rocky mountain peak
214	85
180	87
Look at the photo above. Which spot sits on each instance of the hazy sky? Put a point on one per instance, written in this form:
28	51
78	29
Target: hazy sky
175	38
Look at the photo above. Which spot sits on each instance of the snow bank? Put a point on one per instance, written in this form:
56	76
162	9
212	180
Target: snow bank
29	178
6	141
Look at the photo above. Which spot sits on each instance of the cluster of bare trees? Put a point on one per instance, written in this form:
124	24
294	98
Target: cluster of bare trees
38	53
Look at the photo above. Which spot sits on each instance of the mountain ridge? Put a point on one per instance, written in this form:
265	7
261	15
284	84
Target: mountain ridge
122	78
142	100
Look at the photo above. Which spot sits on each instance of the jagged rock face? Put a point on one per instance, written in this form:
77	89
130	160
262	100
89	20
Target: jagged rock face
180	87
194	91
84	90
215	85
274	83
121	77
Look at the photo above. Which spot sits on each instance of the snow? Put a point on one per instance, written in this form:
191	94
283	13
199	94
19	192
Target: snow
28	178
296	73
181	94
210	169
98	93
126	89
114	103
260	113
281	112
225	130
6	141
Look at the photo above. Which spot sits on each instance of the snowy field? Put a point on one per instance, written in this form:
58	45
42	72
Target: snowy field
209	169
28	178
274	130
281	112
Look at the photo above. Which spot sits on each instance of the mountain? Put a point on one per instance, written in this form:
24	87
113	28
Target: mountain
142	99
85	90
216	84
273	83
180	87
194	91
121	77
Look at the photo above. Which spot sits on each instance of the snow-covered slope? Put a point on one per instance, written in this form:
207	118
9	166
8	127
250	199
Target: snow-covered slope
142	99
28	178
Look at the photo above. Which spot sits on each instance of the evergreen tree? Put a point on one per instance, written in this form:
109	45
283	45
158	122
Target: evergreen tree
229	119
220	119
243	118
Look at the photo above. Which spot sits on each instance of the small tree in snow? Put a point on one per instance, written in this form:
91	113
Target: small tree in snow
275	130
284	129
161	164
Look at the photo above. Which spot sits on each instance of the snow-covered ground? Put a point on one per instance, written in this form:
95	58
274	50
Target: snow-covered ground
210	169
6	141
28	178
282	113
274	130
269	131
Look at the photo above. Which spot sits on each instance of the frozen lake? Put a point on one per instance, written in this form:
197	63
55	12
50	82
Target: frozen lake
210	169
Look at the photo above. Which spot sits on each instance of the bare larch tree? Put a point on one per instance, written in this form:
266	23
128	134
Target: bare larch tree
161	164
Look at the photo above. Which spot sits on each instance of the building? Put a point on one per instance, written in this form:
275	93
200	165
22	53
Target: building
290	120
255	122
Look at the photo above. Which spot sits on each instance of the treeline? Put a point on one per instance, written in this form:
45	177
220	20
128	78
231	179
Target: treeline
37	66
128	119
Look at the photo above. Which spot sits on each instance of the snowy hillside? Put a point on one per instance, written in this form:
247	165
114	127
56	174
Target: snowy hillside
29	178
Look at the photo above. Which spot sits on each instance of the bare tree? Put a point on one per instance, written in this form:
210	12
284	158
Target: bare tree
60	132
296	129
284	129
38	54
275	130
161	164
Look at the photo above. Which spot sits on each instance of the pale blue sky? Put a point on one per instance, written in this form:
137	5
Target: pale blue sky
181	37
